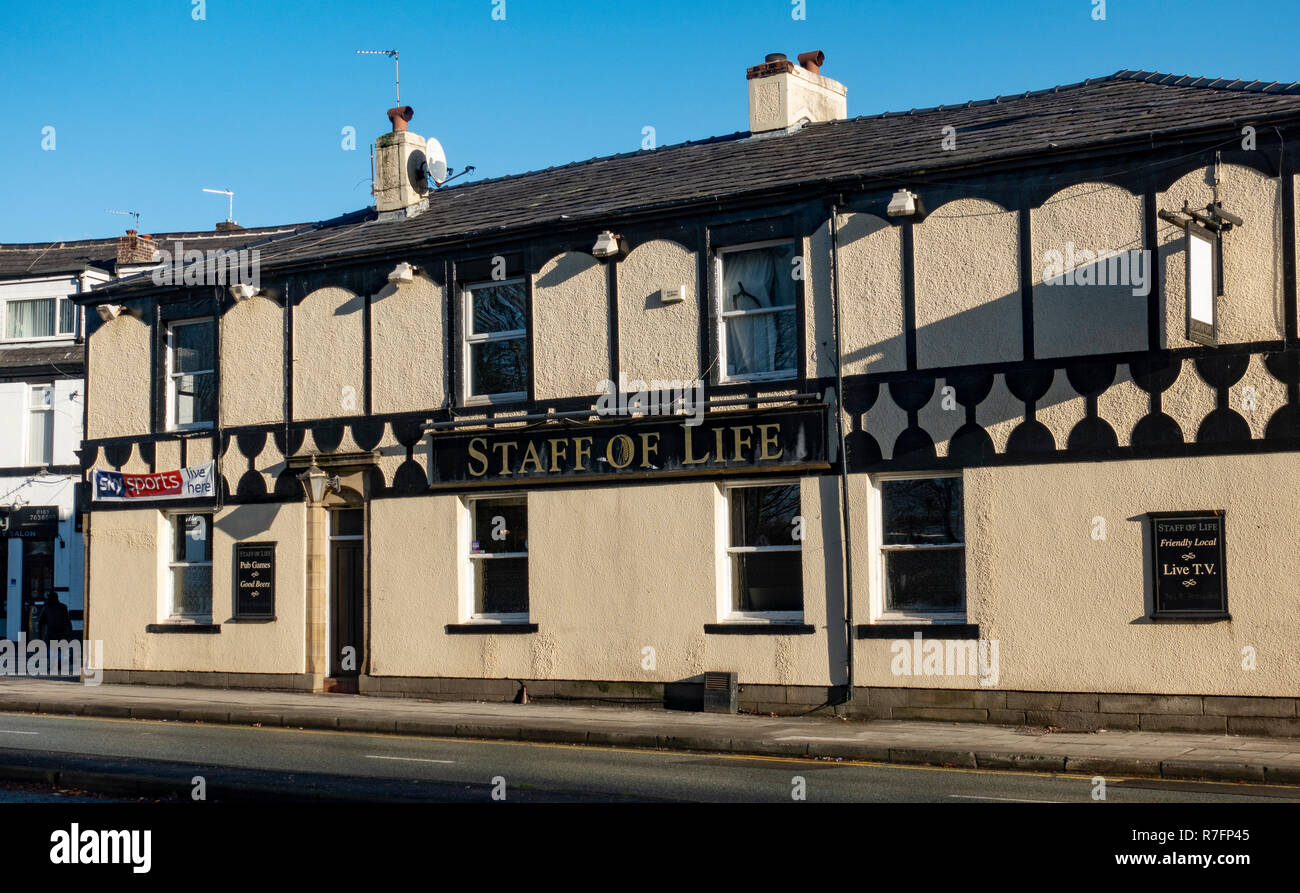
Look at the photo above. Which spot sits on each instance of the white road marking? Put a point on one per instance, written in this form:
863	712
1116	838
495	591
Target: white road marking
14	732
1003	799
371	756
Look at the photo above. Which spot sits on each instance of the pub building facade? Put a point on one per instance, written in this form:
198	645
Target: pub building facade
995	400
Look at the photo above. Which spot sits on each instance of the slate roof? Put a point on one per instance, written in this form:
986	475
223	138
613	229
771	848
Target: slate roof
19	261
67	358
1128	106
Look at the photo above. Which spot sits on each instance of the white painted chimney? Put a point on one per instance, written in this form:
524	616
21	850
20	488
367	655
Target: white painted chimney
785	96
401	170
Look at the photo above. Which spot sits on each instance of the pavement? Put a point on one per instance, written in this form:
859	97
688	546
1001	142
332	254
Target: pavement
1170	755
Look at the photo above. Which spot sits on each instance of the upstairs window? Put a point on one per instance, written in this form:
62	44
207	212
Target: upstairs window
40	424
33	318
758	318
191	374
496	342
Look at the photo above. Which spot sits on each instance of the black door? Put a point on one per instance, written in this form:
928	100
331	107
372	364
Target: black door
37	581
346	585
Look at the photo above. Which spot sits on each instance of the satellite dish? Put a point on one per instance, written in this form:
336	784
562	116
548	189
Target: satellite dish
436	160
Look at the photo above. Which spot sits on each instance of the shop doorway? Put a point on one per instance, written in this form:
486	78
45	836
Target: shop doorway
37	581
347	549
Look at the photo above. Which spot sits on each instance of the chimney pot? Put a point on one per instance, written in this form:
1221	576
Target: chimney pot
399	115
133	248
784	96
812	60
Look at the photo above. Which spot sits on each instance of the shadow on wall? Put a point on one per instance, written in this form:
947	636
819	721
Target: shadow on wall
245	522
1093	308
828	497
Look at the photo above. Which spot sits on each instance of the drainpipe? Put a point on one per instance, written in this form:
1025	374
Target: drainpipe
844	458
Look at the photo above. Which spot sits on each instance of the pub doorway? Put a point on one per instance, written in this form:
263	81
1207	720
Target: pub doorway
347	549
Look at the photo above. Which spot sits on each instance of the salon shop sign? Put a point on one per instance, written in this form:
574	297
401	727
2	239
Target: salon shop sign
185	483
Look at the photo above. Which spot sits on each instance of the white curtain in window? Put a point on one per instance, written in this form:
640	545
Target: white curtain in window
30	319
40	437
748	280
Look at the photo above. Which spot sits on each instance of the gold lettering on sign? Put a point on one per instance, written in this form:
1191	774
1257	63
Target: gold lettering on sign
477	445
690	451
559	450
628	450
769	439
530	455
582	452
717	445
504	448
649	449
748	431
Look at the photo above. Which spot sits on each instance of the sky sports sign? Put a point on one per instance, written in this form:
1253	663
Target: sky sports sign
185	483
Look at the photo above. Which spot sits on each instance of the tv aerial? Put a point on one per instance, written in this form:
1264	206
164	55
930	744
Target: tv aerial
135	214
230	214
397	68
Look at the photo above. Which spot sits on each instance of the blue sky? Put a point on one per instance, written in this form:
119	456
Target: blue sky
149	105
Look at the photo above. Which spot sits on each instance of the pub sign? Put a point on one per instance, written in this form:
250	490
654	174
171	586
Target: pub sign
1188	553
254	580
783	439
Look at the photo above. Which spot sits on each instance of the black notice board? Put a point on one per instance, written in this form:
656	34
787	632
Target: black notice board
254	580
1188	552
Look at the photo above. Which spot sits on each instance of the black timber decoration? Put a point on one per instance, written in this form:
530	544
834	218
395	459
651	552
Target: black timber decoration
289	440
367	434
117	454
890	419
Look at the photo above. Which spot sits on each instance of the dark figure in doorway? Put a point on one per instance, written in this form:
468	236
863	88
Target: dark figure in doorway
54	624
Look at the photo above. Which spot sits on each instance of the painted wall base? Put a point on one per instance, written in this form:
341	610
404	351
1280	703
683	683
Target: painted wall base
1074	711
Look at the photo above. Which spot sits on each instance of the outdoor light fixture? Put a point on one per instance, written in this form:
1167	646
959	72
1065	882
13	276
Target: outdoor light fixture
903	204
403	272
110	312
607	245
242	291
315	482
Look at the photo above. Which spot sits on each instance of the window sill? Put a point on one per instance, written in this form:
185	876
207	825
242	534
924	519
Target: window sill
489	629
759	628
937	630
270	619
478	400
194	628
760	377
1190	615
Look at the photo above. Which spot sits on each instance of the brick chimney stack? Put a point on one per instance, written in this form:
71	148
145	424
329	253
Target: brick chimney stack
134	249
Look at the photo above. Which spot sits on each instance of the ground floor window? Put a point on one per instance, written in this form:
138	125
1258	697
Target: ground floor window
922	547
189	584
498	558
765	552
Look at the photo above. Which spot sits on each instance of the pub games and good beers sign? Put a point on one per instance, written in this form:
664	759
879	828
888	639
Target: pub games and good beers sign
254	580
778	439
1188	564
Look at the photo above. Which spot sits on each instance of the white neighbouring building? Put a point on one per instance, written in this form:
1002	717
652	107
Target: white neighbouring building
42	403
